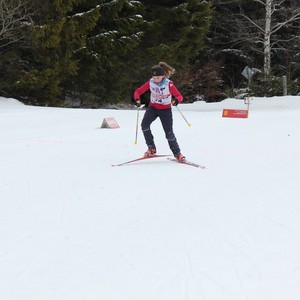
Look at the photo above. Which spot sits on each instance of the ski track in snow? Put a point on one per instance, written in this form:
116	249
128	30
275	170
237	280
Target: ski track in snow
73	227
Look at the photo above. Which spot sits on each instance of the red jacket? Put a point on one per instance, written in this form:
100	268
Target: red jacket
161	93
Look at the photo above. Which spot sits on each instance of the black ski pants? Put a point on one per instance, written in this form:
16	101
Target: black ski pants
166	118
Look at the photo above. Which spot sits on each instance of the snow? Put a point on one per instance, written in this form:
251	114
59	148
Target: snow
74	227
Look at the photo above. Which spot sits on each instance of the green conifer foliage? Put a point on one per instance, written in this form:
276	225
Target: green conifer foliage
57	33
109	58
176	29
103	47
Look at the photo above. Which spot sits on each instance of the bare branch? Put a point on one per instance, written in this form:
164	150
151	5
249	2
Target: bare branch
261	2
14	15
251	21
278	26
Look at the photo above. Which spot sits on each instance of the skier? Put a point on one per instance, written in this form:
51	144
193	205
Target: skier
161	89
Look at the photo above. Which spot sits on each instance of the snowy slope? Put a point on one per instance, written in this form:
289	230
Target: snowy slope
73	227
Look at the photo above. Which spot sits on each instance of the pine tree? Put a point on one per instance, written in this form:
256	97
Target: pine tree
57	33
109	58
176	29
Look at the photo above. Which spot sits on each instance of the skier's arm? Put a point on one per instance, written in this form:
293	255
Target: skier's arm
174	91
141	90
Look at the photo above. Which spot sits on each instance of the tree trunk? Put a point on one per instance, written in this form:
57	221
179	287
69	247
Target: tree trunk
267	39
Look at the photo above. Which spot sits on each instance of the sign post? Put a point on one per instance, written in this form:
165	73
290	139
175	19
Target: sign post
249	72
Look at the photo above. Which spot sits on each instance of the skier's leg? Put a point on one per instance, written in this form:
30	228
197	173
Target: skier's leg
149	117
166	119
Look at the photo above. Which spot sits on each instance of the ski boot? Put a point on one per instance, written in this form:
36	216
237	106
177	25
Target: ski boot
150	152
180	157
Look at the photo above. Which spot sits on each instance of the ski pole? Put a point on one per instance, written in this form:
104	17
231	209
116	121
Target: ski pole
137	125
183	116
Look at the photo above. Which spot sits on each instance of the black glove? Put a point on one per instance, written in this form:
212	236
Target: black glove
137	102
175	102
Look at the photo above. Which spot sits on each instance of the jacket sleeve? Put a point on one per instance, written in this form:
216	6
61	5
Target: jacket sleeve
175	92
141	90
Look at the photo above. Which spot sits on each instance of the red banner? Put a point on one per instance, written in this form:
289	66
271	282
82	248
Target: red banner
235	113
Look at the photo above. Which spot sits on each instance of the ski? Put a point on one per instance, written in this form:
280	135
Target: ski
138	159
189	163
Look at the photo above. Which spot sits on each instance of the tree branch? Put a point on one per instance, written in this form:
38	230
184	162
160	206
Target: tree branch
14	15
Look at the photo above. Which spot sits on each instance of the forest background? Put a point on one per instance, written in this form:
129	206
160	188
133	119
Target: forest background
91	53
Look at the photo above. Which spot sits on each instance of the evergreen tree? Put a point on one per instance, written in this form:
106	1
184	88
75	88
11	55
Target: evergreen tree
57	33
176	30
108	61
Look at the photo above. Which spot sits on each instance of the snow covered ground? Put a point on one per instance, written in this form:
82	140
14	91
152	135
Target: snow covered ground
74	228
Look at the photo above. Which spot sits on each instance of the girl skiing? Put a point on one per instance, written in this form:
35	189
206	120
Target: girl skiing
161	89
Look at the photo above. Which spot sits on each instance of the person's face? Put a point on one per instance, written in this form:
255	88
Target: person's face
158	78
